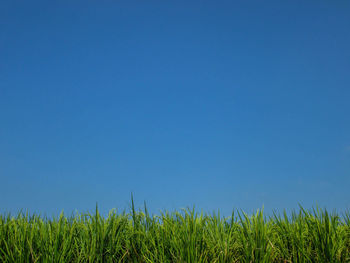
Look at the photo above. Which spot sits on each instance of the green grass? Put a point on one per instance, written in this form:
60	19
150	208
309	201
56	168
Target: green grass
184	236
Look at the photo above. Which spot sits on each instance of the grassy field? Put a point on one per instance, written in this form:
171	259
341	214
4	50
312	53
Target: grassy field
184	236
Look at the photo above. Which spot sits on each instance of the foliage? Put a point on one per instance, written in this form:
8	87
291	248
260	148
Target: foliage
182	236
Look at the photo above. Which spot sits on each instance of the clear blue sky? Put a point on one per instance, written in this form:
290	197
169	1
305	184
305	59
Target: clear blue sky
218	104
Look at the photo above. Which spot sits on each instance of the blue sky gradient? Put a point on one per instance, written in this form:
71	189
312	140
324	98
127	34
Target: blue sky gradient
218	104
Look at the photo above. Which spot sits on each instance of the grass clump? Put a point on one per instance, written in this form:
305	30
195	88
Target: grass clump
182	236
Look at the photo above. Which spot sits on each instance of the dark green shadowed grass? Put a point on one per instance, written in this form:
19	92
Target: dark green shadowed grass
182	236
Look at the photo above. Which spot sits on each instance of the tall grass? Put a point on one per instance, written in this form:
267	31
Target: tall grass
182	236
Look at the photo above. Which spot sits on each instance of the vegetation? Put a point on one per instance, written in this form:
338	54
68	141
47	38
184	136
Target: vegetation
185	236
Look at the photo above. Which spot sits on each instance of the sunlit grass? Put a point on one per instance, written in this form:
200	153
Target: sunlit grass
183	236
